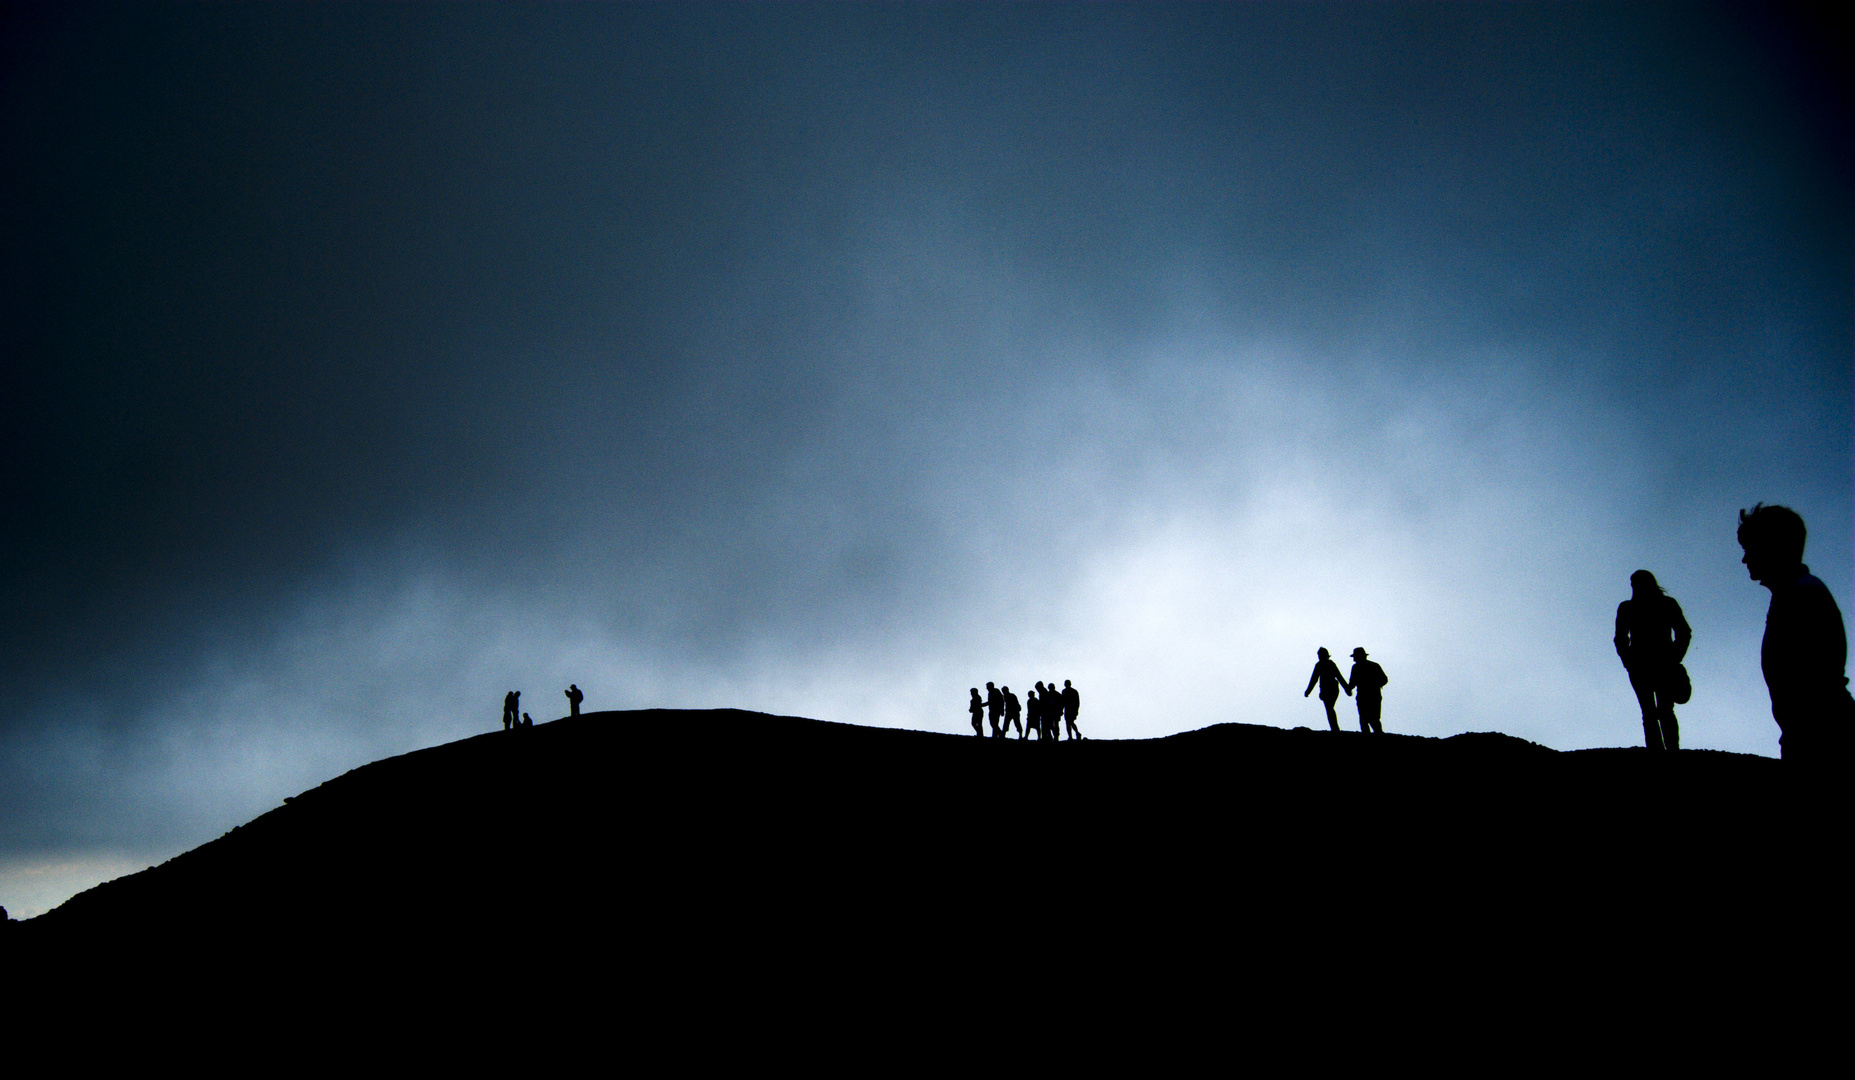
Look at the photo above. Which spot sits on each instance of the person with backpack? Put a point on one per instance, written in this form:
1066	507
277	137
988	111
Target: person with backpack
1365	682
1652	639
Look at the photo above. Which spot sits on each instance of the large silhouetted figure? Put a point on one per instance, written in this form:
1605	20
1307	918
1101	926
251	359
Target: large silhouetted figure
574	697
511	705
977	708
994	707
1072	704
1014	710
1365	684
1327	675
1805	652
1652	639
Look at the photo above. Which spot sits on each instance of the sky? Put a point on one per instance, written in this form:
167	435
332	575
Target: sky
363	363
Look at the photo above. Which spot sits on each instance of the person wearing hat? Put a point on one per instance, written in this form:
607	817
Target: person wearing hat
1327	677
1366	681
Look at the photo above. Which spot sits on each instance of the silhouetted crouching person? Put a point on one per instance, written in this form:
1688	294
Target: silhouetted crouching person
574	697
1652	639
1072	704
1014	710
1805	651
1365	683
528	721
1327	675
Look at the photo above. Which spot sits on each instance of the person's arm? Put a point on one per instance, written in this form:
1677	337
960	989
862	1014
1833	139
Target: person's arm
1623	633
1683	635
1348	686
1312	679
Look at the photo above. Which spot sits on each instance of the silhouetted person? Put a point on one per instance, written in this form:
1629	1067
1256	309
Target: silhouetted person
994	707
1072	704
1327	674
1014	709
977	708
1652	639
510	703
528	721
1805	652
574	697
1052	712
1033	714
1365	682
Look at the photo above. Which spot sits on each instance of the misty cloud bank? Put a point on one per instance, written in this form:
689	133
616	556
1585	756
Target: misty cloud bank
831	361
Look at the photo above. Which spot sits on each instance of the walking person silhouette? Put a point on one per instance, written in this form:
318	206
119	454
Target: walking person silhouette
1072	704
977	708
1033	713
1366	681
1806	648
994	705
1652	638
1327	674
1014	711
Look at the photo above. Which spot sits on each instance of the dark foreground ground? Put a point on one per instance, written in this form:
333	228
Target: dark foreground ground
729	856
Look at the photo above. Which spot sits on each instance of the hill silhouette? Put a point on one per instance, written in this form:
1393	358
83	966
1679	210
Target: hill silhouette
696	850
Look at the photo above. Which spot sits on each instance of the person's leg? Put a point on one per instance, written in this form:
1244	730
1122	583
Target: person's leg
1651	721
1333	718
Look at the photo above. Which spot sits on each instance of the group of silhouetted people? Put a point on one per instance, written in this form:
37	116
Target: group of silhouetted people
1048	712
513	717
1364	685
1804	654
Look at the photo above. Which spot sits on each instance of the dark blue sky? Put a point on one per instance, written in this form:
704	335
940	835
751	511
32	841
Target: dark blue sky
363	363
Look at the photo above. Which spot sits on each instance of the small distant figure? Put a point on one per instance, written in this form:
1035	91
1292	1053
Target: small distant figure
1327	675
528	721
1652	639
1806	648
1072	704
1052	711
1014	710
511	702
1365	682
574	697
1033	713
994	708
977	708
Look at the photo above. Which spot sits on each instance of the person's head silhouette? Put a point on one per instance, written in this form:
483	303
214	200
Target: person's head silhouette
1643	583
1773	538
1359	654
1323	653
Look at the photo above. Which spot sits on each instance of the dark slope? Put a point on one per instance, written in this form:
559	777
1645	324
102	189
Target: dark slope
769	864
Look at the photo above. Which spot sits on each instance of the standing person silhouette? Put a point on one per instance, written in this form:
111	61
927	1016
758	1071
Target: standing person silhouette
1014	709
977	708
1072	704
1806	649
1366	680
1652	639
511	703
994	705
1033	713
574	697
1052	712
1327	674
